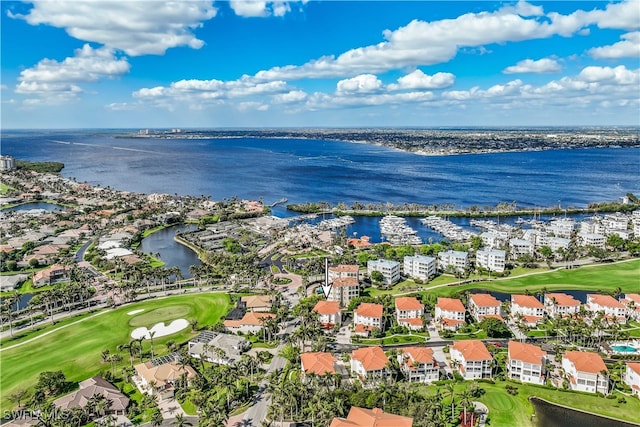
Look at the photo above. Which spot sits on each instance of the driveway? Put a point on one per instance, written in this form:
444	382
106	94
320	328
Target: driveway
170	408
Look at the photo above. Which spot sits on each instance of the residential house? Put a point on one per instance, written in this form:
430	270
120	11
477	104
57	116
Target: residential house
491	259
259	303
343	290
159	375
526	362
418	364
472	359
450	313
366	317
559	304
632	305
390	270
483	305
420	267
586	372
250	322
117	401
457	261
369	363
49	276
409	312
318	363
217	347
607	304
528	306
376	417
632	377
329	313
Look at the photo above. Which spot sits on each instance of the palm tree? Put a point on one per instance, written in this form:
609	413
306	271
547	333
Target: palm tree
181	421
156	418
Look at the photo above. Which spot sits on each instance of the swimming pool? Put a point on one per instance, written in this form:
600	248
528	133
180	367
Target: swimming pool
624	349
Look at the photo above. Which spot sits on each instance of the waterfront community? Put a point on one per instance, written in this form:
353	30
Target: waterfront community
287	321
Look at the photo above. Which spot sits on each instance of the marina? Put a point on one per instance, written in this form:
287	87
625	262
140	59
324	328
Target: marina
336	223
395	230
447	228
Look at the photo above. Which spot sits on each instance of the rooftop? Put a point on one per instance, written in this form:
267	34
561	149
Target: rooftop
408	303
372	358
528	353
472	350
586	362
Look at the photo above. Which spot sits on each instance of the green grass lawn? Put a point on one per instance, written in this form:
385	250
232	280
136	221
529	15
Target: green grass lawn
76	348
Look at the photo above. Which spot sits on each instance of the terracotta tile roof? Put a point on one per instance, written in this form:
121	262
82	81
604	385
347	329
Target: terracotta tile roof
604	300
372	358
451	322
256	301
419	354
250	318
472	350
362	328
532	319
634	366
526	301
414	321
361	417
327	307
450	304
318	363
484	300
342	282
563	300
162	374
586	362
633	297
367	309
408	303
345	268
528	353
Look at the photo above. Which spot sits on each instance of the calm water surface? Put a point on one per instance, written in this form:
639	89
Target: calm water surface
171	252
549	415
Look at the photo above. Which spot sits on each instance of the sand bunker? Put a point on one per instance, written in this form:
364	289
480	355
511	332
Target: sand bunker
160	329
131	313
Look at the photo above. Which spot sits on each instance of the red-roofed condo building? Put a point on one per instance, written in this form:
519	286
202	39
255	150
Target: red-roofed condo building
632	377
317	363
418	364
472	358
376	417
450	313
586	372
632	303
369	362
343	290
329	313
607	304
557	304
409	312
483	305
529	307
525	362
366	317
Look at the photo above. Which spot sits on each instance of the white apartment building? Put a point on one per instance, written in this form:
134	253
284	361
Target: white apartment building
409	312
472	358
607	304
418	364
556	243
536	237
635	222
525	363
343	271
343	290
450	313
420	266
632	377
529	307
561	227
519	247
7	163
632	304
457	259
494	239
558	304
592	239
329	313
615	221
586	372
390	270
369	362
368	316
491	259
483	305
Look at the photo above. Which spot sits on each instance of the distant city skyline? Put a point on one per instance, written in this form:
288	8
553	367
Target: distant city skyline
150	64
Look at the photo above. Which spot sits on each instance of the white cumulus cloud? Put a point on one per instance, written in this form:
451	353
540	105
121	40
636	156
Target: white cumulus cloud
544	65
420	80
260	8
364	83
629	47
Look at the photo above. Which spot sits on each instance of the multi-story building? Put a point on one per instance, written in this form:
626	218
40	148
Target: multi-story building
562	227
558	304
607	304
409	312
632	377
318	363
343	290
390	270
7	163
450	313
369	363
344	270
456	260
472	358
586	372
526	362
483	305
420	266
329	313
592	239
529	307
418	364
557	243
366	317
519	247
491	259
632	304
494	239
376	417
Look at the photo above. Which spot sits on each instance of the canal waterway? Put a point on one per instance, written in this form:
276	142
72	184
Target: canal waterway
550	415
49	207
172	253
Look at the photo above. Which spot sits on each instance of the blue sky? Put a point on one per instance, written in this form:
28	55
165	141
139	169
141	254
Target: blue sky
145	64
